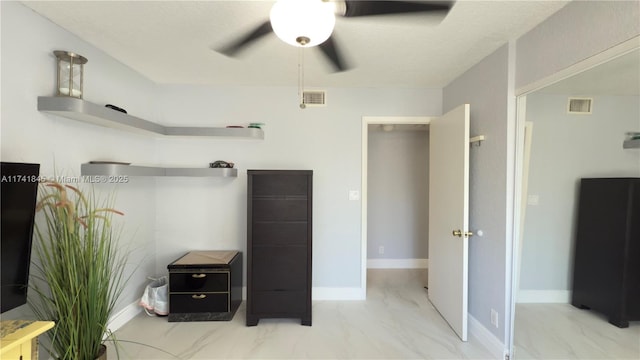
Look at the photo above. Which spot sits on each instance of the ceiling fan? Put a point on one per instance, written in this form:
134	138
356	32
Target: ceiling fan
308	23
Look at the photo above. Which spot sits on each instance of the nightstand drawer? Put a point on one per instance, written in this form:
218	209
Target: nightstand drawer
198	302
198	281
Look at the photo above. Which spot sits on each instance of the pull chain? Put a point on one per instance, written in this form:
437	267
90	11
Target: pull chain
301	77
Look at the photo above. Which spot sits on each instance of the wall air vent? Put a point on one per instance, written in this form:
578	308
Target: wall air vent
580	105
314	98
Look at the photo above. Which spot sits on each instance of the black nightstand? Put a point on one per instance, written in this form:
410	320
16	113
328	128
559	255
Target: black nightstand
205	286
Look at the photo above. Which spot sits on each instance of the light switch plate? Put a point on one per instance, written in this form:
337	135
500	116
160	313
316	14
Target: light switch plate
354	195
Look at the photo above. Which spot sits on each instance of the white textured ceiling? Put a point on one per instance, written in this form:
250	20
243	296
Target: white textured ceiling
171	41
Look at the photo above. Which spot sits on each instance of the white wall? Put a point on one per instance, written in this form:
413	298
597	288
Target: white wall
398	194
211	214
565	148
61	145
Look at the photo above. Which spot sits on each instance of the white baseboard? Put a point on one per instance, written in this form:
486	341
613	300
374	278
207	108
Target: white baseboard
123	316
486	338
397	263
543	296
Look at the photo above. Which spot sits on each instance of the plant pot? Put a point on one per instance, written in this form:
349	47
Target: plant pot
102	354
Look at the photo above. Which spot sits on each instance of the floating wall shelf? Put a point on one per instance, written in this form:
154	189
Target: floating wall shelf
81	110
631	144
136	170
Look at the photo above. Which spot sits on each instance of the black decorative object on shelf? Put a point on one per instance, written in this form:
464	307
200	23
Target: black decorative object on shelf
221	164
116	108
279	245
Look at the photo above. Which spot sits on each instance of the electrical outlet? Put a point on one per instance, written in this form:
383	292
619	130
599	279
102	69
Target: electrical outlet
381	250
494	318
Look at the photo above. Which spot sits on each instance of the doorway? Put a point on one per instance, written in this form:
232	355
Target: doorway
448	213
398	196
367	122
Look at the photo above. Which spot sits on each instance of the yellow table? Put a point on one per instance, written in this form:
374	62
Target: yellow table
19	338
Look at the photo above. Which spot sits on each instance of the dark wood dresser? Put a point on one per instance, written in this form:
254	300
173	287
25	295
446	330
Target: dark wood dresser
606	272
279	222
205	285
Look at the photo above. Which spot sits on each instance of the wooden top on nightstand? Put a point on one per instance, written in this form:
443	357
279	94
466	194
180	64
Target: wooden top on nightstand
206	258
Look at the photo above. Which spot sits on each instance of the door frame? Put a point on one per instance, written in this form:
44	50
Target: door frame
527	138
366	121
521	98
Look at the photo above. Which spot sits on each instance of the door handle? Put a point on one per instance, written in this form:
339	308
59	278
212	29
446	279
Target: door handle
459	233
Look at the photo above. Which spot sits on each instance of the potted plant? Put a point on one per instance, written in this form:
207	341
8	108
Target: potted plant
78	269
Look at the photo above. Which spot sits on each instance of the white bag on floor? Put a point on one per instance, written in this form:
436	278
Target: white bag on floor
155	298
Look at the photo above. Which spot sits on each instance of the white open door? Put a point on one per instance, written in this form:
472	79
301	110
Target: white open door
449	216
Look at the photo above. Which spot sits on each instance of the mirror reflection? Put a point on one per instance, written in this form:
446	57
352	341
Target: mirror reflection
576	129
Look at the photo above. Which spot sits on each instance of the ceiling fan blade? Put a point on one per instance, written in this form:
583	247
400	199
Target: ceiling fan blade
330	50
232	48
370	8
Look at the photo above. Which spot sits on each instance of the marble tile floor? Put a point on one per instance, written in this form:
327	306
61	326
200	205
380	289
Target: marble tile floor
561	331
395	322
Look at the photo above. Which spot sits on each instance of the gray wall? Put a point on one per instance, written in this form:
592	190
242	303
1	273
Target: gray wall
485	87
565	148
398	194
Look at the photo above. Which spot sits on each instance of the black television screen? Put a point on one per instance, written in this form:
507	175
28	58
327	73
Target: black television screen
18	193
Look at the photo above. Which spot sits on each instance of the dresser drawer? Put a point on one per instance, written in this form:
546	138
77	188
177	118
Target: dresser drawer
279	268
198	303
280	233
198	281
280	184
279	302
279	209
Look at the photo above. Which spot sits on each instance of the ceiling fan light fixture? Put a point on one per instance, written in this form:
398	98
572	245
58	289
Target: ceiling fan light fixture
303	23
